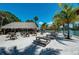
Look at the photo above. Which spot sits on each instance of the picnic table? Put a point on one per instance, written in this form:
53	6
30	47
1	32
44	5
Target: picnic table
34	34
52	35
24	34
12	36
42	41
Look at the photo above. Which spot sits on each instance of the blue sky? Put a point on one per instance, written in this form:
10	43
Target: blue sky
45	11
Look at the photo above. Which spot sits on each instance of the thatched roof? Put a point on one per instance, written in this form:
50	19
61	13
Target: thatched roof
22	25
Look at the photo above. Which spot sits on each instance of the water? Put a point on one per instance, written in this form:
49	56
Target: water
75	32
72	32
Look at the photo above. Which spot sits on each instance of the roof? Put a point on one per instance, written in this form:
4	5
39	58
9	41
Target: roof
23	25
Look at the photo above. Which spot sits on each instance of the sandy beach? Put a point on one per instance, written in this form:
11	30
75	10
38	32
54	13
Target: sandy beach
69	47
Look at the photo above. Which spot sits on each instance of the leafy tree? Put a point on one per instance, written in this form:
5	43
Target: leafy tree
58	22
8	17
36	18
44	26
67	15
29	20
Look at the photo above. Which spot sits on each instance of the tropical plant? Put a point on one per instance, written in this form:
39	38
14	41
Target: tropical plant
29	20
44	26
1	20
36	19
8	17
67	15
59	21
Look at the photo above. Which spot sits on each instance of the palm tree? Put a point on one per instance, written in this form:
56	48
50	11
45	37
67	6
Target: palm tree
58	21
44	26
67	15
36	19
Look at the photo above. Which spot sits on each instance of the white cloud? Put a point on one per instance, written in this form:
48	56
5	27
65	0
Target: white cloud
40	23
49	23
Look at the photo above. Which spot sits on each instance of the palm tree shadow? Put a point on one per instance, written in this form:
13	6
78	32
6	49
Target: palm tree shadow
2	51
59	39
30	50
50	51
14	51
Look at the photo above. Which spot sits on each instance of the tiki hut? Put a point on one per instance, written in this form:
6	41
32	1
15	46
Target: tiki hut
19	26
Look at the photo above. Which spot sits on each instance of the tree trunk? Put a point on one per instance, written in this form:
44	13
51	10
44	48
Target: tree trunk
68	36
58	28
73	28
1	24
63	29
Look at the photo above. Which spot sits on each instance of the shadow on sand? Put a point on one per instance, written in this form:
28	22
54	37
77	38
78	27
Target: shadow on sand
14	51
60	39
49	51
29	51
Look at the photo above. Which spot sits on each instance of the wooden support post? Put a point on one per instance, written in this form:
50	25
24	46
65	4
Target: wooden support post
15	30
4	31
35	32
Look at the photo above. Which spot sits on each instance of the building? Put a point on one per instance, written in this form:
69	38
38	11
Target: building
19	26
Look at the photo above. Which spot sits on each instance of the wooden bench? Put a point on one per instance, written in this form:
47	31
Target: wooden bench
53	35
34	34
42	41
50	36
13	38
25	34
